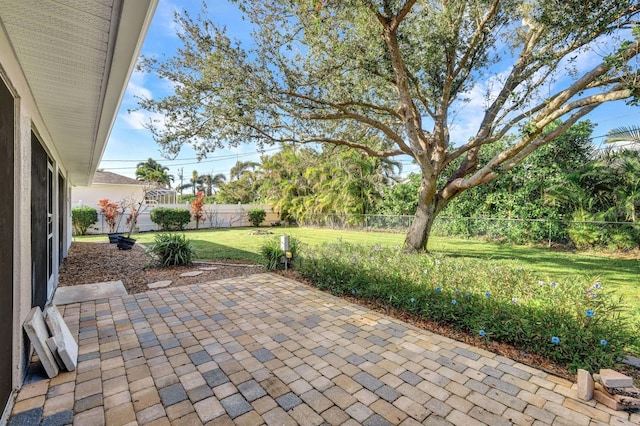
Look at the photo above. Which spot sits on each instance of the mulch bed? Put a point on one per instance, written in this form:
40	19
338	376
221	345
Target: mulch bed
89	263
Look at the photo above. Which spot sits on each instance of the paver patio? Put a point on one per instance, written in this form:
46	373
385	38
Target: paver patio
264	349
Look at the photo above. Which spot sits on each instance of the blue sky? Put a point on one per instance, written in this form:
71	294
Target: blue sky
130	142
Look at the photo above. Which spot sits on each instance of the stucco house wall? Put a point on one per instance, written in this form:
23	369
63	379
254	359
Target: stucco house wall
60	96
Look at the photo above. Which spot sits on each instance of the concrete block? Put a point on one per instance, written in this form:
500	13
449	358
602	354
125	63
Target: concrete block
37	331
613	379
627	402
51	343
65	344
585	385
605	398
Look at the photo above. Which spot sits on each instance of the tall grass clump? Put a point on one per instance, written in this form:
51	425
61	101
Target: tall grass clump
272	255
173	249
575	322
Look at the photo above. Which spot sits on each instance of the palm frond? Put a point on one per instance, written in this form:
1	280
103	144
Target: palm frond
624	134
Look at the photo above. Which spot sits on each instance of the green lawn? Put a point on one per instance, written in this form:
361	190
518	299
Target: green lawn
621	274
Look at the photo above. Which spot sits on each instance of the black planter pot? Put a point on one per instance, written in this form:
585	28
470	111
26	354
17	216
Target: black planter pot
125	243
113	237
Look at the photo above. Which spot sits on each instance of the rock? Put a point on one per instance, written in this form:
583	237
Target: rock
585	385
613	379
191	274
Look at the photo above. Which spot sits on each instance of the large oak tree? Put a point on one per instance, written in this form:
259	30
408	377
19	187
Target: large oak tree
389	76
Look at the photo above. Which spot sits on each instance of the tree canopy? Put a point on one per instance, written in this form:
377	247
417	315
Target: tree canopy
388	77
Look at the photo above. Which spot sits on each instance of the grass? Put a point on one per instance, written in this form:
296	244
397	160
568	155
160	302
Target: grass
622	275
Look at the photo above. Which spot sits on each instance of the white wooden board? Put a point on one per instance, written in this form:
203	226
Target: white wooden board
38	334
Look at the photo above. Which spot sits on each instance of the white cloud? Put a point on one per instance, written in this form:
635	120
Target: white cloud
137	119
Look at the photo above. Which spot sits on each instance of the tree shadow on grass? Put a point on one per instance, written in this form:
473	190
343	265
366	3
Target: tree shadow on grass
207	250
624	271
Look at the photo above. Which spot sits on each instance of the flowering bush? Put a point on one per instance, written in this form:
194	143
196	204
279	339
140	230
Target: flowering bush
197	206
571	320
110	210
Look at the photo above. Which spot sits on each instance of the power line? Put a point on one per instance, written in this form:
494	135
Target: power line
218	158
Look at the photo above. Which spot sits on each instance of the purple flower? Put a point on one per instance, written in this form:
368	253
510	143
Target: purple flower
555	340
482	333
454	301
514	300
438	289
597	285
553	284
603	342
487	294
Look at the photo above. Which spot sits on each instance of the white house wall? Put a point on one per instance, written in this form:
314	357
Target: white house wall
27	120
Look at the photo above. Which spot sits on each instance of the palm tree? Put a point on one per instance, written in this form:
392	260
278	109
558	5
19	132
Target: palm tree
629	134
212	182
241	168
154	172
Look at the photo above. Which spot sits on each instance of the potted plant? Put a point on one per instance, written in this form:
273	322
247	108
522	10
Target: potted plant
136	206
112	211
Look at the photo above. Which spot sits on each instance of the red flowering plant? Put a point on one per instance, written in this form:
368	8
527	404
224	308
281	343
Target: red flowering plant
110	210
197	209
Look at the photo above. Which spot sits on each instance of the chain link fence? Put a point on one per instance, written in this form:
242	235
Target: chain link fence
616	235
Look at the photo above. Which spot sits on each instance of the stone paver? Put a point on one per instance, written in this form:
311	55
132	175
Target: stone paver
266	349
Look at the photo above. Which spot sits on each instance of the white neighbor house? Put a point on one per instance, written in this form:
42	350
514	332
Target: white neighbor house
64	66
106	185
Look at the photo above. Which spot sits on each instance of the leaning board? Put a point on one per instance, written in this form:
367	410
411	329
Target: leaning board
38	334
62	341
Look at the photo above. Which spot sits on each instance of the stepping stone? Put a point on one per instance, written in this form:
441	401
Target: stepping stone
613	379
209	268
159	284
191	274
85	292
632	361
38	334
62	342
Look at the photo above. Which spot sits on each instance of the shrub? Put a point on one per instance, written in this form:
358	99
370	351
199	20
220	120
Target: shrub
170	219
82	218
573	321
173	249
272	254
197	208
256	216
110	210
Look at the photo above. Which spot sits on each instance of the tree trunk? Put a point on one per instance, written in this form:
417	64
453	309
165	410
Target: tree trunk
420	229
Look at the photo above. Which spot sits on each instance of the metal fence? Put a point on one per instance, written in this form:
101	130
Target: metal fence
514	230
